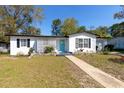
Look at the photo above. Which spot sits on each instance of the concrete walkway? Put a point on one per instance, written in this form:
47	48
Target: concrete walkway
103	78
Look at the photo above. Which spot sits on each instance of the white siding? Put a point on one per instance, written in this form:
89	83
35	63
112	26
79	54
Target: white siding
43	42
117	42
72	45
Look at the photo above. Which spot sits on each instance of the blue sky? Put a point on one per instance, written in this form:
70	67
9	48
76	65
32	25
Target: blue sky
89	16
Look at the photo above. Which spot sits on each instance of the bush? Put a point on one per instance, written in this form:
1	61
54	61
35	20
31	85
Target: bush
105	51
108	47
30	51
48	49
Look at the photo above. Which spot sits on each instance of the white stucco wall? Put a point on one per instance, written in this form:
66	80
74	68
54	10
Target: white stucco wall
72	42
22	50
41	45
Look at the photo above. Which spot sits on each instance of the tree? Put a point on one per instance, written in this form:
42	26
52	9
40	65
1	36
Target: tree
117	29
69	26
120	14
31	30
14	18
101	31
56	27
81	29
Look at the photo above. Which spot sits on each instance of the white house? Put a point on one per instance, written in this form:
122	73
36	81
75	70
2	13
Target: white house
117	42
20	44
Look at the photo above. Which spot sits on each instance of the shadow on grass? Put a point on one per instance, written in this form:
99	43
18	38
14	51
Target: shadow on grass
116	60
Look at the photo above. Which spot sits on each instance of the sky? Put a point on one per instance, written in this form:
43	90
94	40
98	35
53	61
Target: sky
89	16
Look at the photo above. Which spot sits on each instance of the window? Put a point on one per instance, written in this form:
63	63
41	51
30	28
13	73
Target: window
28	42
23	42
83	43
18	43
80	43
86	43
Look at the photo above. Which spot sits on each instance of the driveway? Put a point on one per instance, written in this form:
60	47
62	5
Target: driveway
103	78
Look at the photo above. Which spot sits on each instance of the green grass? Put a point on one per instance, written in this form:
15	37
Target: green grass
39	71
108	63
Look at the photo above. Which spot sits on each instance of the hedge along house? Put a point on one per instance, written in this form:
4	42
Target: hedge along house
20	44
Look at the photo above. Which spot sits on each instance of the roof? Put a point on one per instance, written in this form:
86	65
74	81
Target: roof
85	32
24	35
103	37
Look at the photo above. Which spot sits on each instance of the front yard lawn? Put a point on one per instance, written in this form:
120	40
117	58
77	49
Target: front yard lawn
42	71
109	63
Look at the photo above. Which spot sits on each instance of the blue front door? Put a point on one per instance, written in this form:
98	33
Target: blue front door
62	45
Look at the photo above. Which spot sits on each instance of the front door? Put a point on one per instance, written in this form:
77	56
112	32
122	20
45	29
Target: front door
62	45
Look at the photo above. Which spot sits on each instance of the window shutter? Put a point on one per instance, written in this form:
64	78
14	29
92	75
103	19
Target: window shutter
18	43
28	42
89	43
77	43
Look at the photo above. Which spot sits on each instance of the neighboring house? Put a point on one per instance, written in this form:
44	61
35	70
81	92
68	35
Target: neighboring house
4	46
101	43
20	44
118	42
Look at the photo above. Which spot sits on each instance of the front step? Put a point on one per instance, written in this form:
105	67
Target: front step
63	54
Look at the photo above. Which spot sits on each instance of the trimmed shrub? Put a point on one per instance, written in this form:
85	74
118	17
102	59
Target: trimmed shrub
30	51
108	47
48	49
